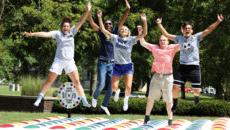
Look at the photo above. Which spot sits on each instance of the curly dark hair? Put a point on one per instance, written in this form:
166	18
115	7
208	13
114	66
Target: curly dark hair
66	20
185	23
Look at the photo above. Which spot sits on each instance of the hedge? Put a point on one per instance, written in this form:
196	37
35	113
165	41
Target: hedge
210	107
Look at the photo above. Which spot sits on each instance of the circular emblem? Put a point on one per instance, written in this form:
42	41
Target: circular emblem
68	95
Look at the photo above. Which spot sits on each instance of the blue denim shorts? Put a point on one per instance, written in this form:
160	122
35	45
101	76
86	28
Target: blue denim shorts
123	69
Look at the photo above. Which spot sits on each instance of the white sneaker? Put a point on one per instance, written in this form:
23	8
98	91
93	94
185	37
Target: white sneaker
36	104
116	96
85	102
126	104
94	102
38	100
106	110
86	105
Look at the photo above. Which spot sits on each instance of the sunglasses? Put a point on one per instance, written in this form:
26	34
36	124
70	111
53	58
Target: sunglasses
108	23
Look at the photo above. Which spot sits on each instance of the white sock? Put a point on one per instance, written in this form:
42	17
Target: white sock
85	102
39	99
126	105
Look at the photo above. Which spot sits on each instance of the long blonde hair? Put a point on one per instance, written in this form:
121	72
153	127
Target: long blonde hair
129	32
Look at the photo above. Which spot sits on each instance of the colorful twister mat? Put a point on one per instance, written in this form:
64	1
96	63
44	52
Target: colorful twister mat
82	123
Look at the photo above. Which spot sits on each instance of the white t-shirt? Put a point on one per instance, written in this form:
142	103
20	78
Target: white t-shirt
123	48
189	53
65	44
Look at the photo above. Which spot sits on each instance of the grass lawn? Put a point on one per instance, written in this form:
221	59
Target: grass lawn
4	90
10	117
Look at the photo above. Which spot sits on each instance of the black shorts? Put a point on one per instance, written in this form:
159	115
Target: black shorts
189	73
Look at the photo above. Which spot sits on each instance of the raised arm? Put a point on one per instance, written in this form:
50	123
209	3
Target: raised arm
38	34
84	16
145	28
144	43
213	26
163	31
106	33
125	15
92	23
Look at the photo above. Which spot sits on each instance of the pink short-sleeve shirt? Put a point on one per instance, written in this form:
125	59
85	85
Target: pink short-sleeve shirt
163	58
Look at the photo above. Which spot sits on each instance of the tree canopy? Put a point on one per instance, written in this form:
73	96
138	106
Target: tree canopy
21	56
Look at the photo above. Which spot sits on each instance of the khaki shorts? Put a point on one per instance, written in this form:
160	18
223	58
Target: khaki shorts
161	84
58	66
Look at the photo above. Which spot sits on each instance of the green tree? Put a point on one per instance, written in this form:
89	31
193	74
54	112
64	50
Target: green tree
21	55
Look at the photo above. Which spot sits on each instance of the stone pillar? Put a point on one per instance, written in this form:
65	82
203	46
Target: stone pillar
17	87
12	87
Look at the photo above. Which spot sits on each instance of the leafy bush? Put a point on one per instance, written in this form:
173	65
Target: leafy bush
137	106
31	86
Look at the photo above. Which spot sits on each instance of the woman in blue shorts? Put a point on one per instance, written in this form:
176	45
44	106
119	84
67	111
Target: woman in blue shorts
123	66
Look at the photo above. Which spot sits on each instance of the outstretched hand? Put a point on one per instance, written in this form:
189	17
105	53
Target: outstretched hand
143	17
159	20
220	17
88	7
27	34
99	13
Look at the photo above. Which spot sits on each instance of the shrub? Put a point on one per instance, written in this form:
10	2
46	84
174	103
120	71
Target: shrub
31	86
211	107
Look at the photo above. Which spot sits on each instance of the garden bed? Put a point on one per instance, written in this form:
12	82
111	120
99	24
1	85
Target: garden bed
25	103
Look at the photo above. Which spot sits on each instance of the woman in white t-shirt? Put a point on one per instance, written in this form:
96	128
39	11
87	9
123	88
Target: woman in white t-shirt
64	57
123	66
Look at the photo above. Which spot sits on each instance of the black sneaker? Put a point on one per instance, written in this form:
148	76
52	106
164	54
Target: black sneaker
169	122
147	118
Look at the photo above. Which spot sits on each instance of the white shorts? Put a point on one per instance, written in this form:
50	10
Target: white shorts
58	66
161	84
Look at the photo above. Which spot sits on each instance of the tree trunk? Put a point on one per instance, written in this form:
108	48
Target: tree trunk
2	9
219	90
227	92
219	87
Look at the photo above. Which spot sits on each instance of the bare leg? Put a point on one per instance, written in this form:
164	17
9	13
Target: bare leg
115	83
51	78
74	76
196	92
128	84
176	91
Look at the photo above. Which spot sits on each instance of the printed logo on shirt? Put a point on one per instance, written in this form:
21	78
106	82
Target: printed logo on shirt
188	48
123	44
69	36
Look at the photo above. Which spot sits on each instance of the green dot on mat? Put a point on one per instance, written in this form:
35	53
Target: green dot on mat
136	129
32	126
83	128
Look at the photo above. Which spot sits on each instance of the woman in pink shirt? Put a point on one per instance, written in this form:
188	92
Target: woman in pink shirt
162	80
